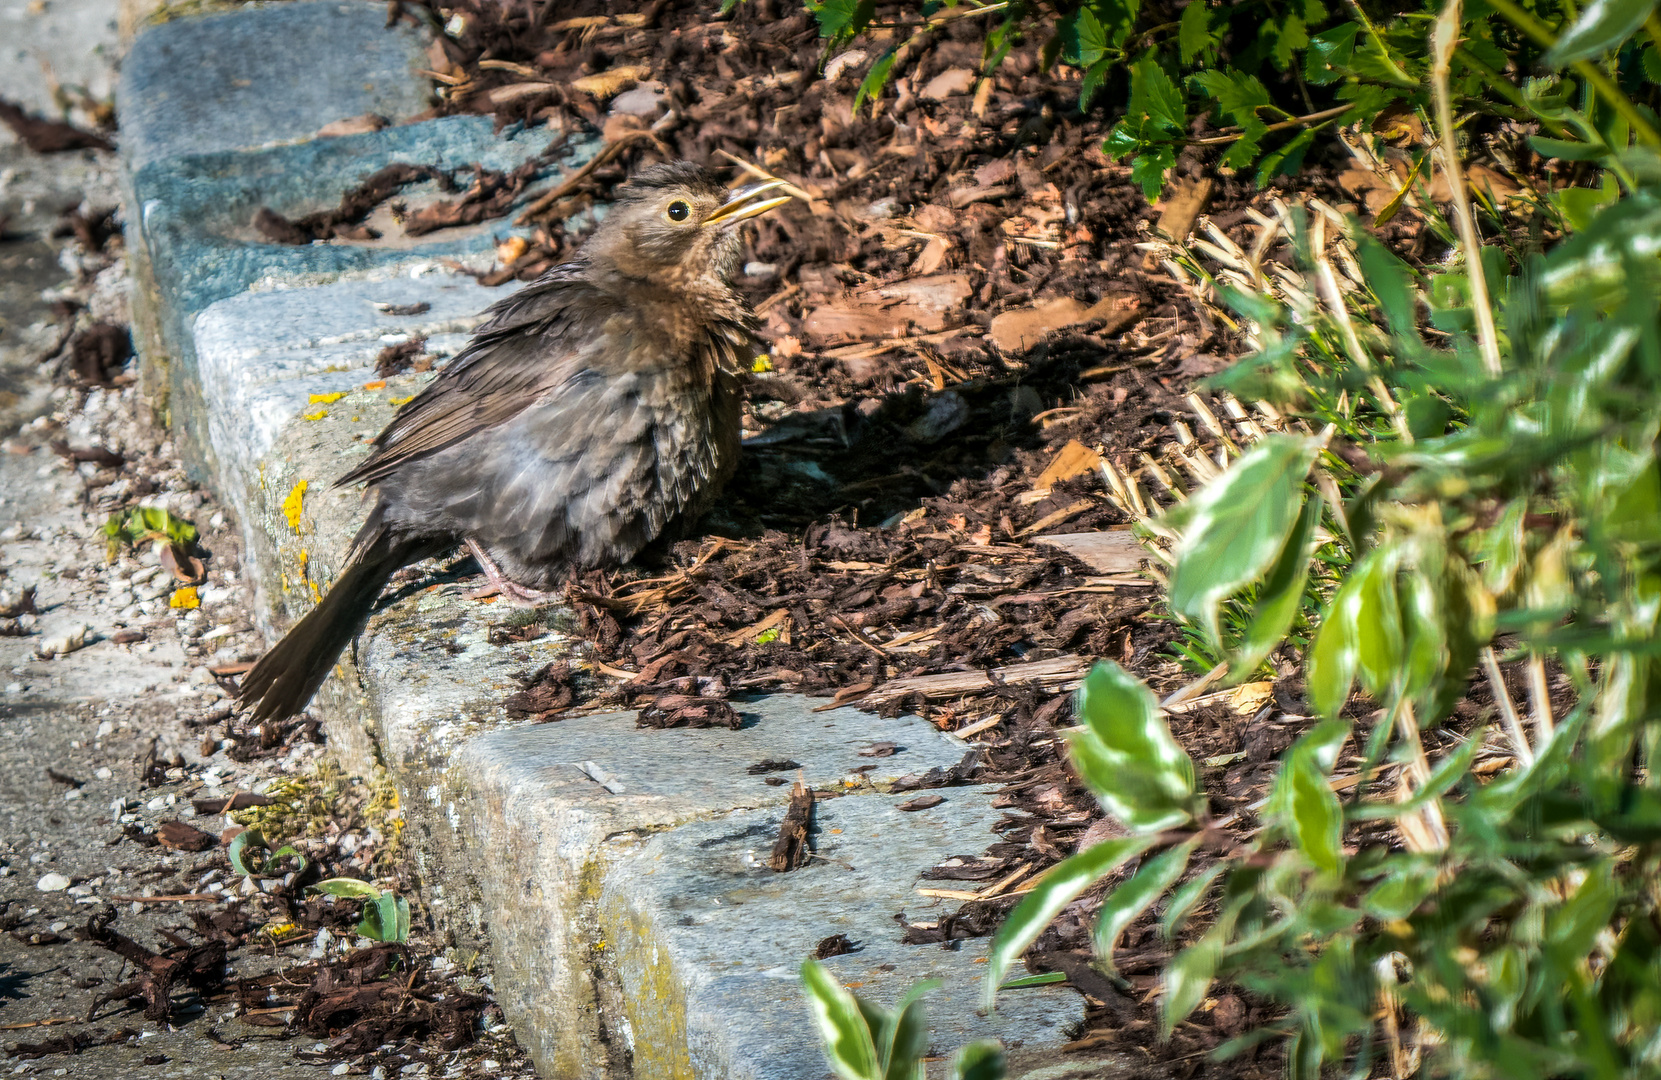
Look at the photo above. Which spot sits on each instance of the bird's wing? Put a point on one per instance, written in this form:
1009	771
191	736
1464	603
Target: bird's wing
531	342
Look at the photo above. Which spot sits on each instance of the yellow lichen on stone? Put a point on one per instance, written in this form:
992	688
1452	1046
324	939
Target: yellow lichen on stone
291	505
401	400
318	415
326	399
184	598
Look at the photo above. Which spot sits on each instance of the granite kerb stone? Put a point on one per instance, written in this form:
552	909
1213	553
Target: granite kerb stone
220	115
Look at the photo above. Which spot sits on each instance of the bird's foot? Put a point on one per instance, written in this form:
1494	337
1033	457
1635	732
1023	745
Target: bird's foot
499	585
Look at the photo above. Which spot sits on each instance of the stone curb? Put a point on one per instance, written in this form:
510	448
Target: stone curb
616	872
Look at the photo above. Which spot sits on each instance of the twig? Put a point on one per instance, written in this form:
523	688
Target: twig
176	897
1444	38
1508	710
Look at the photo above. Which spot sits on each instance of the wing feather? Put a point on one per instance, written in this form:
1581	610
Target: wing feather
528	345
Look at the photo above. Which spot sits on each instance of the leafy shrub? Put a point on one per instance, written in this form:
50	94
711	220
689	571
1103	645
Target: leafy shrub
1508	502
1271	75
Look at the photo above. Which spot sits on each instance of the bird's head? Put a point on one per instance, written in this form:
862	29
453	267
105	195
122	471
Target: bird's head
676	226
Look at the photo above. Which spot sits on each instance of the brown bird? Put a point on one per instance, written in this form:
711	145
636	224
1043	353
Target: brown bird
594	411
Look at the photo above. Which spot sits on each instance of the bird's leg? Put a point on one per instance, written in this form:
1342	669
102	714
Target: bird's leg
499	583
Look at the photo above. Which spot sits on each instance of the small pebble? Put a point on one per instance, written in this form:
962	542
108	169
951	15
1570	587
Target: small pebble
63	641
52	883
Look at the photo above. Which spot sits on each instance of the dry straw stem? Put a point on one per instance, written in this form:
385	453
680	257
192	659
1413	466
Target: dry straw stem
1443	39
1508	709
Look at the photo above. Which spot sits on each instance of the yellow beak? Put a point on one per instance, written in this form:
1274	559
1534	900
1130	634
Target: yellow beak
747	203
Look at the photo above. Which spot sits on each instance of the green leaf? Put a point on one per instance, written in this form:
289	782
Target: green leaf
1651	61
1328	58
1094	76
1401	892
1315	818
1281	597
1286	37
1149	169
1184	898
842	1028
1391	281
1288	159
1603	26
900	1051
1049	978
1188	976
1362	619
350	888
1083	38
239	851
1238	97
1153	94
138	524
1235	526
841	19
875	79
1059	886
1126	904
386	918
1125	752
1448	772
1194	30
1564	150
982	1059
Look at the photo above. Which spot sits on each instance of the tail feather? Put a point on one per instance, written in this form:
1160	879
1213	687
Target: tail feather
286	677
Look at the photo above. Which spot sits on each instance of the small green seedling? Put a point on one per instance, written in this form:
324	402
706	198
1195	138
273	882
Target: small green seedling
385	914
864	1041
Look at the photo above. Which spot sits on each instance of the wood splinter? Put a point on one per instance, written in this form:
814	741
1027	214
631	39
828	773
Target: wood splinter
792	849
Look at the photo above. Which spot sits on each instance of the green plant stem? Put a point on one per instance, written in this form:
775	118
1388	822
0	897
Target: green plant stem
1652	27
1443	40
1402	77
1296	121
941	18
1596	76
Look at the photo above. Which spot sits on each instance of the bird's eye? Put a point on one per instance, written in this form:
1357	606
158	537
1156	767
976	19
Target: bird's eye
679	210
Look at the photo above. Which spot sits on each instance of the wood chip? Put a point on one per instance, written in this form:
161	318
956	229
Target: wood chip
1110	551
1061	672
1056	518
1019	330
1074	459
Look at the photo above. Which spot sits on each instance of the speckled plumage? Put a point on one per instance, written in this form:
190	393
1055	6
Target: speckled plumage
594	411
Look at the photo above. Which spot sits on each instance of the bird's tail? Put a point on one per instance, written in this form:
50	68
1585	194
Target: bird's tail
287	676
